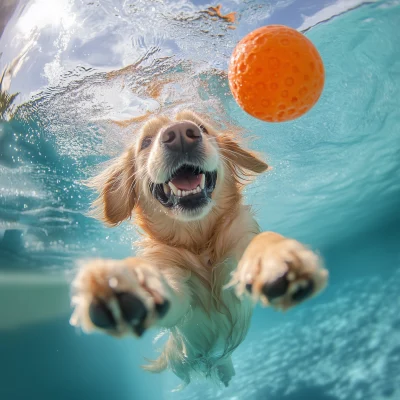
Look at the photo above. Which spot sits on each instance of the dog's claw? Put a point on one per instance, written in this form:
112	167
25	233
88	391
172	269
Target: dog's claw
101	315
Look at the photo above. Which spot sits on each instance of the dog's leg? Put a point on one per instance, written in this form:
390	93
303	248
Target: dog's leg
128	296
278	271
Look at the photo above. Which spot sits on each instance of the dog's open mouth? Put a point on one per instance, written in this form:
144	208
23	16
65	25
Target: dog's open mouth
188	188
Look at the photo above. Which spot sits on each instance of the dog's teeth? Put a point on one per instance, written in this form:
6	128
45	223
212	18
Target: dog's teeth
203	181
183	193
173	188
167	189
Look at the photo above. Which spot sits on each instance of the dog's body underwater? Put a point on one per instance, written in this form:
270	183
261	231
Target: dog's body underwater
202	263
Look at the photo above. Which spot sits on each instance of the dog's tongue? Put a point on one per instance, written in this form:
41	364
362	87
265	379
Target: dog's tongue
186	181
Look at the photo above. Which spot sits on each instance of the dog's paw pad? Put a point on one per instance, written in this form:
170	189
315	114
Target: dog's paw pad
277	288
132	308
281	274
100	315
129	307
302	289
119	297
298	290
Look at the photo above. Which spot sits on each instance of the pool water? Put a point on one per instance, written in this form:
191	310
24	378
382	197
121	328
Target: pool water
84	76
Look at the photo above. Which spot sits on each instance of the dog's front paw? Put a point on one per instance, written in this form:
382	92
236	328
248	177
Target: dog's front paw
279	272
118	297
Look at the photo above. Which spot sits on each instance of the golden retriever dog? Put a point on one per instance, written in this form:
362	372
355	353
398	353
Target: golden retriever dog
202	263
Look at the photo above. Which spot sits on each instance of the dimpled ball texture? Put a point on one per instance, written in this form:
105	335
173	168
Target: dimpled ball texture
276	74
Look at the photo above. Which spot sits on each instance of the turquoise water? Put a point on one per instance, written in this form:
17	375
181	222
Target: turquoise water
335	186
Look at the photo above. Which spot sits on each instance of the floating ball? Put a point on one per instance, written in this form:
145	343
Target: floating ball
276	74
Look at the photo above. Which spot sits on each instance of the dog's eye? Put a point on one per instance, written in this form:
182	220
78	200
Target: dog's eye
203	129
146	142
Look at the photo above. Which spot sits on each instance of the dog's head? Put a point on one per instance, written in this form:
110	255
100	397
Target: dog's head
182	168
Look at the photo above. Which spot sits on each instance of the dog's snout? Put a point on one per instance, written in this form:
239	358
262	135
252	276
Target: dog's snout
169	136
181	137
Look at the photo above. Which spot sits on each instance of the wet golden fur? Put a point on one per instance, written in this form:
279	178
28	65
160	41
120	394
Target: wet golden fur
189	261
123	192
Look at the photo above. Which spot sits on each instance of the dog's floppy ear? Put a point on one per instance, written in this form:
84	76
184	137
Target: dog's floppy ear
245	160
116	187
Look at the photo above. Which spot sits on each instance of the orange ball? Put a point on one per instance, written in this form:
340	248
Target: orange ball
276	74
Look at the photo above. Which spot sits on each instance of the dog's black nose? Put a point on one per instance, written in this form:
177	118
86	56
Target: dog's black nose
183	136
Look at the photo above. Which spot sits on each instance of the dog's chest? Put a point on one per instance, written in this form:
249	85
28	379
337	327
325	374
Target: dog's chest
218	321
